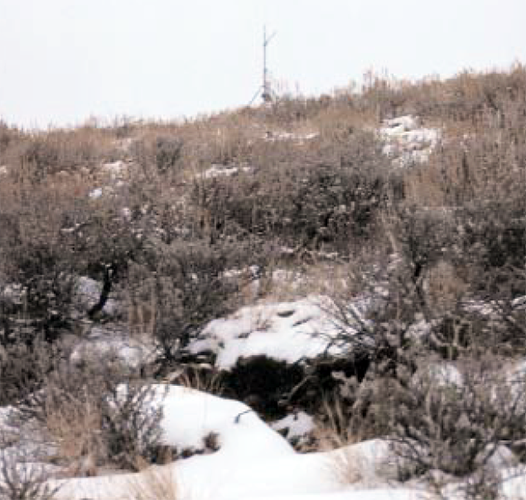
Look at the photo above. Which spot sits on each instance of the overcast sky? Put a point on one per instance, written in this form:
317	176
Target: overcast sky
62	61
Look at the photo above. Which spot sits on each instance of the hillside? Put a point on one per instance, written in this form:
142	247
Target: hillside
350	267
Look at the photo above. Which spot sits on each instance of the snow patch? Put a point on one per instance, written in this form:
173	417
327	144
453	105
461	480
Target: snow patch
406	142
115	170
96	193
13	293
217	170
286	331
108	344
190	416
87	293
295	426
442	375
298	137
253	461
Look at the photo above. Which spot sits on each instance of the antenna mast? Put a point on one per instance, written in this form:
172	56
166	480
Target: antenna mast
267	92
266	95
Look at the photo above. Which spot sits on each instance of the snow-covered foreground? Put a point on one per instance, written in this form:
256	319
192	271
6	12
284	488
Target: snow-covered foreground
253	461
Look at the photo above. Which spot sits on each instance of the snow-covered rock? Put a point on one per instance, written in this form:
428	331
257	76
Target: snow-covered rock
513	483
115	345
87	293
406	142
297	137
13	293
96	193
401	124
367	463
441	374
115	170
286	331
224	171
502	457
295	426
190	416
419	330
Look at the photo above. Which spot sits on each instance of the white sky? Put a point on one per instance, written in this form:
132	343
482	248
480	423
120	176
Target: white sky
62	61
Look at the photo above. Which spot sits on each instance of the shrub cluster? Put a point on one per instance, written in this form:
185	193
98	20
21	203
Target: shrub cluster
445	240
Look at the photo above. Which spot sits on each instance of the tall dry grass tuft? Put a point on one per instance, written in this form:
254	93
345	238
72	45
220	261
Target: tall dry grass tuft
76	426
334	429
340	429
154	483
202	379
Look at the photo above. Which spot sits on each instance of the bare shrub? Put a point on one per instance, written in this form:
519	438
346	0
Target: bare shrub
313	197
21	368
23	481
158	154
96	421
168	153
142	303
444	286
70	407
456	427
464	98
339	426
186	285
131	426
356	413
41	154
76	427
49	236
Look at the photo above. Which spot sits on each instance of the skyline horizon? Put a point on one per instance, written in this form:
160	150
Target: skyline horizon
94	120
65	61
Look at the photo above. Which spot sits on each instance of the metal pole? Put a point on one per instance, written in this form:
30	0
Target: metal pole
266	86
265	96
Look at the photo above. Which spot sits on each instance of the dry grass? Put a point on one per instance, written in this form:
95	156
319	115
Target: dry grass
154	483
95	422
142	308
199	379
346	468
338	119
76	428
334	430
290	280
445	287
338	432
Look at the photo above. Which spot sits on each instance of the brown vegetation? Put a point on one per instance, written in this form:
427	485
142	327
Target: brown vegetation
178	242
